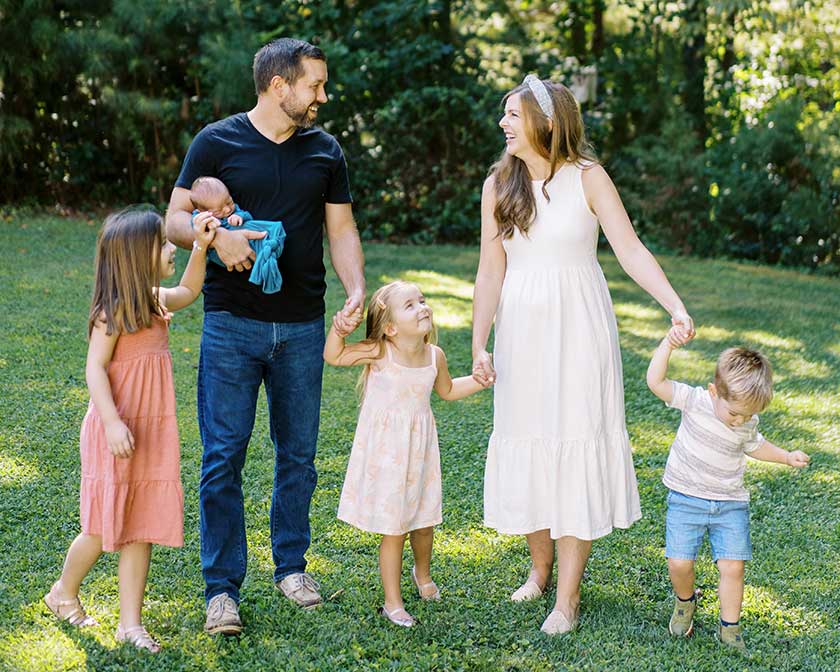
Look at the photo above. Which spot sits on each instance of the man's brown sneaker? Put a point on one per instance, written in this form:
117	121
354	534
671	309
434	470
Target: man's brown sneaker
222	616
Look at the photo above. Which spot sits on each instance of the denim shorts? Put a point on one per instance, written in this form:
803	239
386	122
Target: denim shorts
689	518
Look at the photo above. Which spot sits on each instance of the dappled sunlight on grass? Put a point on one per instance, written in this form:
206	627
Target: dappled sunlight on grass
47	648
449	297
714	333
437	283
762	606
637	311
476	545
767	340
15	470
626	594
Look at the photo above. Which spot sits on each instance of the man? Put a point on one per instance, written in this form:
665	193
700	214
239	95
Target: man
277	166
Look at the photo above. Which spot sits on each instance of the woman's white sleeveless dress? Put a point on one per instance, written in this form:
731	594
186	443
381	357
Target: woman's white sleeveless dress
559	457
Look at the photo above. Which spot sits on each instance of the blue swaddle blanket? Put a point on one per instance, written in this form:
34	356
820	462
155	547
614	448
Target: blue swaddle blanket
265	271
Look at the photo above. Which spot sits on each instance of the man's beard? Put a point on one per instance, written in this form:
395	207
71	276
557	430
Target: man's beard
299	115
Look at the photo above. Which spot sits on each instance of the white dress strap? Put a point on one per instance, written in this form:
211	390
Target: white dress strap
433	348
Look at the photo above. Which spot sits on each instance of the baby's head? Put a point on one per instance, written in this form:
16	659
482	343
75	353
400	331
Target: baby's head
399	309
211	195
743	385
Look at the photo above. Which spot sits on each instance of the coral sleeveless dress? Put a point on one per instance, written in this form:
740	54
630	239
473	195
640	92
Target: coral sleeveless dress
136	499
559	456
393	480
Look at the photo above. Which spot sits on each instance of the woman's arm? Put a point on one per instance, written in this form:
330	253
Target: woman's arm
450	389
189	288
492	263
636	260
119	438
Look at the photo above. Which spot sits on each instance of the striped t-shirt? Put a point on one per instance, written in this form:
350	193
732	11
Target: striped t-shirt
707	457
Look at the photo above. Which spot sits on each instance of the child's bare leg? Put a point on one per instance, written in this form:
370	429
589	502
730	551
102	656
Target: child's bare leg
421	546
133	570
81	557
390	569
541	546
682	577
731	589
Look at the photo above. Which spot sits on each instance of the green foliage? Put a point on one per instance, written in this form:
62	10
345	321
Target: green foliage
99	103
769	192
790	609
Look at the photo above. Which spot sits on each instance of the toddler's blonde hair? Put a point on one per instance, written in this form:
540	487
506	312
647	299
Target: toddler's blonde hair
744	375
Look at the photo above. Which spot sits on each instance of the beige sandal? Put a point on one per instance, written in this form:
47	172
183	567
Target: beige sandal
529	590
399	616
558	624
435	595
139	637
70	611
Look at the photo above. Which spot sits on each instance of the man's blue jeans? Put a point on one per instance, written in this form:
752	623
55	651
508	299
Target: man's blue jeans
237	356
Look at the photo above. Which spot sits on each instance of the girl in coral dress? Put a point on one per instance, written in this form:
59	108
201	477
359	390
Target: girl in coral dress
392	486
131	493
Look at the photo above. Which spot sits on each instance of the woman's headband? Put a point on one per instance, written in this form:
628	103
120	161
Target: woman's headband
541	94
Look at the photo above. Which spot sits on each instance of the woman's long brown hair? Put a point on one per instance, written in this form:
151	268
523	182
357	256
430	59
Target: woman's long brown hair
561	141
127	271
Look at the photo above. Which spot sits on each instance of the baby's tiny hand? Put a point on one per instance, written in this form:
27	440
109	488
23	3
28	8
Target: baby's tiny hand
798	459
235	220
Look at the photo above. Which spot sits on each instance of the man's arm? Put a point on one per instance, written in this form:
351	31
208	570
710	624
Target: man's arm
347	258
231	246
179	218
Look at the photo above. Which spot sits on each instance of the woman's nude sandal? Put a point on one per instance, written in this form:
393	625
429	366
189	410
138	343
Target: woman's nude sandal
399	616
137	636
70	611
423	590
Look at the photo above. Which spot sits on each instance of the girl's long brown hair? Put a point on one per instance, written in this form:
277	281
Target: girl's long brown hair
561	141
378	318
127	270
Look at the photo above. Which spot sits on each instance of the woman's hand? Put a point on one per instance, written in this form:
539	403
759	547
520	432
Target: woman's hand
684	325
119	438
482	369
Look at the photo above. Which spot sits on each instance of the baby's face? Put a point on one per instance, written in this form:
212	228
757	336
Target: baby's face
221	207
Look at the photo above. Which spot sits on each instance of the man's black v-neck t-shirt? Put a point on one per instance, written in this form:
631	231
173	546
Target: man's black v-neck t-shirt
290	182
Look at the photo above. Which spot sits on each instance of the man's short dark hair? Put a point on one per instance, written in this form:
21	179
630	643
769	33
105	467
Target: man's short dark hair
284	57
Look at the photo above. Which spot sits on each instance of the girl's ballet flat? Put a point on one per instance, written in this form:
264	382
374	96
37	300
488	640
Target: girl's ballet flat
399	616
423	590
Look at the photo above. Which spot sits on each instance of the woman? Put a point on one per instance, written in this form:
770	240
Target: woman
559	464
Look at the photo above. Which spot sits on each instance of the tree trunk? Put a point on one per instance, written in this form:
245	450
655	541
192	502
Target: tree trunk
577	17
598	41
694	64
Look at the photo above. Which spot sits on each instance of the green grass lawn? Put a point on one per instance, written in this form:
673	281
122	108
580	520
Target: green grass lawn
791	608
